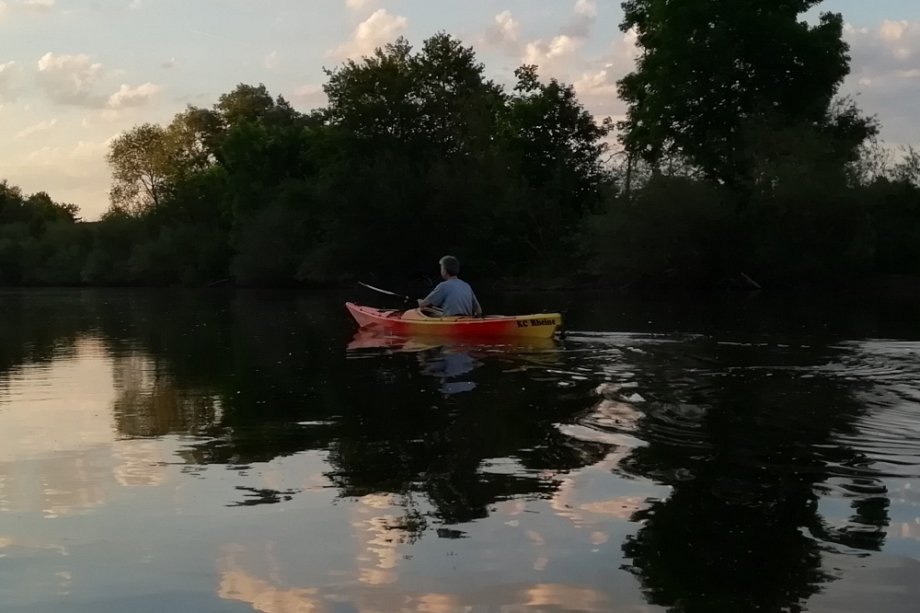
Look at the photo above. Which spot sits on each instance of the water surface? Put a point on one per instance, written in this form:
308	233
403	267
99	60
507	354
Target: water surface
248	451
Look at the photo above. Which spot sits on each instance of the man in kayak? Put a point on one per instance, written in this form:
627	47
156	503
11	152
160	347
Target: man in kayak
453	296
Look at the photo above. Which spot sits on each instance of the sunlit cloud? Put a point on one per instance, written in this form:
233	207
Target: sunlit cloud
128	96
9	74
359	5
41	126
70	79
41	6
377	30
504	32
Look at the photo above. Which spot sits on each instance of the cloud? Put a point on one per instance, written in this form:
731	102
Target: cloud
60	156
135	4
594	77
588	8
73	80
551	55
377	30
359	5
127	96
40	6
598	92
583	22
597	85
70	79
558	55
504	32
602	83
309	95
9	73
893	31
271	60
886	77
42	126
25	6
170	63
76	172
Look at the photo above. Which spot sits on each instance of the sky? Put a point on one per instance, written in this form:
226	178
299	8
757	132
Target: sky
76	73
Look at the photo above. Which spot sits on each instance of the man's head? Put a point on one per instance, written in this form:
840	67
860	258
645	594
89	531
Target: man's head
450	266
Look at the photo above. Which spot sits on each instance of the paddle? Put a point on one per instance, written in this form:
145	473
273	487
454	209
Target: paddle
394	294
386	292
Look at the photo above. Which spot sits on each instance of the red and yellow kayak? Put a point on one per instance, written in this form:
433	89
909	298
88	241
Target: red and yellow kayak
413	322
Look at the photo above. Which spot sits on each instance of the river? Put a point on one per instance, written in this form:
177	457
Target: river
199	451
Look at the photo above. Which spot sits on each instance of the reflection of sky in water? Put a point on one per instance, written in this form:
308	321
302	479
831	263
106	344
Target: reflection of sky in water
104	508
102	517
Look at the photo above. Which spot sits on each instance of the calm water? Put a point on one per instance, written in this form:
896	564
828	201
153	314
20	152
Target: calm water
197	452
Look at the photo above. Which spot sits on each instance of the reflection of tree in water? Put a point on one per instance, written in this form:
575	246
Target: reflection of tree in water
151	405
40	324
746	457
264	378
428	442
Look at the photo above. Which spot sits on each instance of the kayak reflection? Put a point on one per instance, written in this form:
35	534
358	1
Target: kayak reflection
451	361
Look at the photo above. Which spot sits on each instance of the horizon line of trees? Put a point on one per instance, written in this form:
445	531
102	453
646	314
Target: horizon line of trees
739	161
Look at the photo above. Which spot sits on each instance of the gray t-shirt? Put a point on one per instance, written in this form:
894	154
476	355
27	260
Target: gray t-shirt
454	297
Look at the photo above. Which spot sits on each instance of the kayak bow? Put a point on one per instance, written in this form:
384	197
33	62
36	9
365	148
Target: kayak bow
413	322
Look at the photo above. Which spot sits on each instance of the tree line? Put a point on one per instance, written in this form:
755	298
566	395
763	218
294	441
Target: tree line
737	162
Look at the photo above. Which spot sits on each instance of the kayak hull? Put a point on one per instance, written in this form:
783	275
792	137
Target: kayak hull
413	323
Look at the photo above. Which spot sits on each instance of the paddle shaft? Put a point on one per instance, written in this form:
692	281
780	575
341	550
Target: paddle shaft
386	292
394	294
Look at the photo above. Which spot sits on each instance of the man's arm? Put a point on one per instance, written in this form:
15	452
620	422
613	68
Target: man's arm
435	298
477	309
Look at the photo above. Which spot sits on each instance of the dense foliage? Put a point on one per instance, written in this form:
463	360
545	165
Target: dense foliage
416	154
740	164
753	168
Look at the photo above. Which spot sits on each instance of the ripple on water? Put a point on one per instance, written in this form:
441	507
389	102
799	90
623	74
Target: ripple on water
661	390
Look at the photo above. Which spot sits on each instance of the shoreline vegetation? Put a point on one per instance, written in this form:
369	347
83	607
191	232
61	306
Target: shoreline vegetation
737	167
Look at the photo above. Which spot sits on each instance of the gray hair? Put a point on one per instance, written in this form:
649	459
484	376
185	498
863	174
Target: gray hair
451	265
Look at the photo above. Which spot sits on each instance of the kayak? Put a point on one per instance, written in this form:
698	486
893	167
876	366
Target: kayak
414	322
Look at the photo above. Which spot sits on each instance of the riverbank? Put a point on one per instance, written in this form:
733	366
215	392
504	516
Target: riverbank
907	286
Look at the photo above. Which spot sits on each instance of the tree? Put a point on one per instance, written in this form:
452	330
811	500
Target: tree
713	71
244	103
428	141
436	98
559	146
143	164
197	134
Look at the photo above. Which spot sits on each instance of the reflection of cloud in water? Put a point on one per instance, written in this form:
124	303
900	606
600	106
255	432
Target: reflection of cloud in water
378	538
438	603
906	530
53	451
59	449
71	484
36	423
139	463
566	597
236	584
379	578
616	416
